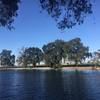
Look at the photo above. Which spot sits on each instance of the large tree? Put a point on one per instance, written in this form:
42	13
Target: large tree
77	52
30	56
6	58
67	13
54	52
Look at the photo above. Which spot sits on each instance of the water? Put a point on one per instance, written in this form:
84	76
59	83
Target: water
49	85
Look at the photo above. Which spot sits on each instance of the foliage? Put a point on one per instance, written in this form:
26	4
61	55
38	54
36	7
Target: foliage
67	13
77	52
29	56
6	58
73	50
8	10
21	59
96	58
54	52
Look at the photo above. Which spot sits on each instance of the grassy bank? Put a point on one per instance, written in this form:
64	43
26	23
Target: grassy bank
64	67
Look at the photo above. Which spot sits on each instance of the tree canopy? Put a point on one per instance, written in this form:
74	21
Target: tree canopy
73	50
67	13
54	52
29	56
6	58
8	10
77	52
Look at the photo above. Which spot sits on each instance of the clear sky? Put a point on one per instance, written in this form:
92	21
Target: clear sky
33	28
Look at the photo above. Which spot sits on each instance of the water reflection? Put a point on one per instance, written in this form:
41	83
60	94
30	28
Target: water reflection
54	85
49	85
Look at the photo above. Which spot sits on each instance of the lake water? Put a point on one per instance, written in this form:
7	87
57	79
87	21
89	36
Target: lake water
49	85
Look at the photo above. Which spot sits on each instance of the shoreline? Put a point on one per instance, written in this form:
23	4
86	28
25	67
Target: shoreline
48	68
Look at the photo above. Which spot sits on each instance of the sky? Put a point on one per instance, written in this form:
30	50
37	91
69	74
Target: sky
33	28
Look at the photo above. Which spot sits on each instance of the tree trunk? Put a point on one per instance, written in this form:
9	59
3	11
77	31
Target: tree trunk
25	64
34	64
76	63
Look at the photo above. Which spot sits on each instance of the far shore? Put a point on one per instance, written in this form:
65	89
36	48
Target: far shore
48	68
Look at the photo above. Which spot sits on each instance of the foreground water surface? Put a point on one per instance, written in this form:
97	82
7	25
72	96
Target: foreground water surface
49	85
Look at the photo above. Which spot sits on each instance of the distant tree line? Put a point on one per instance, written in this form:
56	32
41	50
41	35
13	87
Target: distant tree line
52	54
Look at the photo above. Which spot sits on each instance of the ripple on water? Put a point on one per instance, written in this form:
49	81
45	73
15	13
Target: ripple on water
50	85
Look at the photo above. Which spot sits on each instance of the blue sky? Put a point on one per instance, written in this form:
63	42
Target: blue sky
33	28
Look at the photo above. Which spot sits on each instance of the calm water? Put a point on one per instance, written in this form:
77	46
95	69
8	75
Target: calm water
49	85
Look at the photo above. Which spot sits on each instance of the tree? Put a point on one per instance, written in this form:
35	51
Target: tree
67	13
30	56
77	52
8	10
35	55
6	58
96	58
53	53
22	59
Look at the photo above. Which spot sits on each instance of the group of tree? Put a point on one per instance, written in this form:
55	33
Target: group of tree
53	53
67	13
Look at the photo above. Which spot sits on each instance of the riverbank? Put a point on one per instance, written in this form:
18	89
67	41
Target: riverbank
19	68
48	68
81	68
